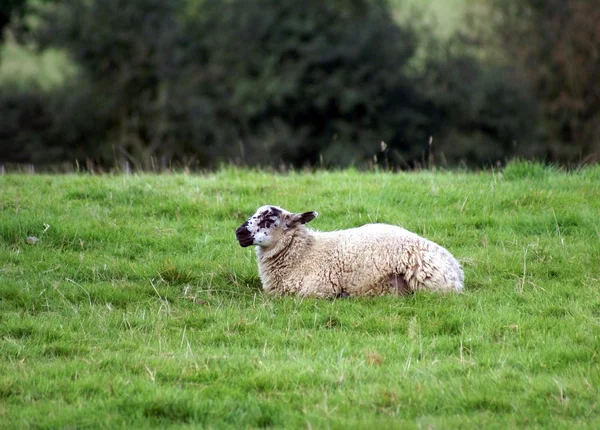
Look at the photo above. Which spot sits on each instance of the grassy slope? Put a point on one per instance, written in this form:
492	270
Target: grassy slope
137	307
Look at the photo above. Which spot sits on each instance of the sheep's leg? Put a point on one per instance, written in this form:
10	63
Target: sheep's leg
398	285
342	295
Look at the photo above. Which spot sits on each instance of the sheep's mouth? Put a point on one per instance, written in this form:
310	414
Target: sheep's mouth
244	237
245	242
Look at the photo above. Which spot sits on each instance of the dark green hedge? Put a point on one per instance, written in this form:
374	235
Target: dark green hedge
260	82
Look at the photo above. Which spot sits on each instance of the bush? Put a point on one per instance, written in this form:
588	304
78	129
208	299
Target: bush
24	120
47	128
312	81
555	45
483	114
260	82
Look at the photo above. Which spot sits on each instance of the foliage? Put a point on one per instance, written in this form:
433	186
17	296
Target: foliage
556	45
263	83
310	80
47	128
313	80
26	69
8	9
482	112
22	116
129	54
13	12
137	307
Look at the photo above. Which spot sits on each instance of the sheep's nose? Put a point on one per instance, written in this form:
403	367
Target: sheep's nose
242	231
243	236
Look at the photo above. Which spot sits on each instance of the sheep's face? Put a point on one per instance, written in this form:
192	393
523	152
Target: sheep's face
268	225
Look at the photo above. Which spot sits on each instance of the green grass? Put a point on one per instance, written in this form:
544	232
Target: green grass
137	307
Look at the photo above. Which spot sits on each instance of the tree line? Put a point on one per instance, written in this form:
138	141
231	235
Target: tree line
199	83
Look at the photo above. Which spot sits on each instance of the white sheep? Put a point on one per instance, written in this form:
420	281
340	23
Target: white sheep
373	259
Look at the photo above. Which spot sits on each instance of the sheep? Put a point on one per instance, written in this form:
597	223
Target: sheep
374	259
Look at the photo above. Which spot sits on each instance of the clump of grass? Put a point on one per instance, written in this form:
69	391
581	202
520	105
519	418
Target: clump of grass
524	169
172	275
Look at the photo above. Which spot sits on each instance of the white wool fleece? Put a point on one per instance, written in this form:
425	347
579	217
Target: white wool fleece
373	259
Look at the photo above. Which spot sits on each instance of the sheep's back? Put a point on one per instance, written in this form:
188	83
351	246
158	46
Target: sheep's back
370	253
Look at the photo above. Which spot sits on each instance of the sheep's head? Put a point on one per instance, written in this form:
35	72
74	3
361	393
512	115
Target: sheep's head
269	224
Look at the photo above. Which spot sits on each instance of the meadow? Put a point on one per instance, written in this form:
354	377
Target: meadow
134	306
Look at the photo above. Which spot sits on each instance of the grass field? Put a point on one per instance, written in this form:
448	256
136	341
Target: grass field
137	307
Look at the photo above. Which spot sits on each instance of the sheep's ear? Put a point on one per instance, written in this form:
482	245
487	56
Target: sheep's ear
302	218
305	217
